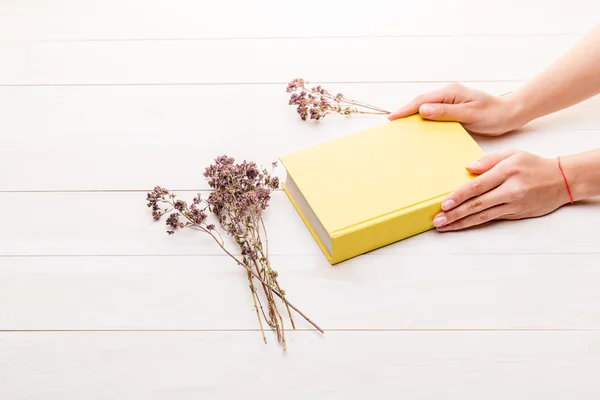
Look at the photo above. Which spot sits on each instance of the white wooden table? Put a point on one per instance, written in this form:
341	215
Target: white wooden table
101	101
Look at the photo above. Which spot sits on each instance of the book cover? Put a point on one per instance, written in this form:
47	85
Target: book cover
372	188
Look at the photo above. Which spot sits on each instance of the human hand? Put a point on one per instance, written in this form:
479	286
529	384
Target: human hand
477	111
511	185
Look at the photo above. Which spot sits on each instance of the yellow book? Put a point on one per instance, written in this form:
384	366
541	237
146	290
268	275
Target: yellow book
373	188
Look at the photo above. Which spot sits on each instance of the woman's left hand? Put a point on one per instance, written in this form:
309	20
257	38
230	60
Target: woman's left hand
511	185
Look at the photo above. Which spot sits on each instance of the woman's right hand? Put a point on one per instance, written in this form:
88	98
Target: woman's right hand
478	112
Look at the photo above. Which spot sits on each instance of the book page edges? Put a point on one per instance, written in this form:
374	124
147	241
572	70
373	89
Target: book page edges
307	223
374	233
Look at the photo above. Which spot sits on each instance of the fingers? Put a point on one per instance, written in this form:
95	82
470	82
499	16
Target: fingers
491	176
483	207
483	199
474	188
488	162
450	103
461	112
413	107
479	218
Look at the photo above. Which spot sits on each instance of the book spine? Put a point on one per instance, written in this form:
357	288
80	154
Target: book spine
384	230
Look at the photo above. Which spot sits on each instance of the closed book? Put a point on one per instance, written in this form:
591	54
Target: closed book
372	188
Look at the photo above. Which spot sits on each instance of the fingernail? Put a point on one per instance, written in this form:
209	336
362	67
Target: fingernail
447	204
426	110
474	165
439	221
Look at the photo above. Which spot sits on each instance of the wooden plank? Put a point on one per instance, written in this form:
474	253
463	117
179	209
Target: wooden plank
378	59
121	224
135	137
455	292
341	365
138	19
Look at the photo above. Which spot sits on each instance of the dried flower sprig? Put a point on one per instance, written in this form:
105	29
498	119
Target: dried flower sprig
241	194
316	102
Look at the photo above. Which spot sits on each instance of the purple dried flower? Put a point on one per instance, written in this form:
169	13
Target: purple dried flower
173	221
241	192
160	191
317	102
274	183
295	84
252	173
180	205
320	90
315	114
197	216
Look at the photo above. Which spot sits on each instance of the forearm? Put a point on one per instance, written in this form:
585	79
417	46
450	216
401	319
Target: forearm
571	79
582	172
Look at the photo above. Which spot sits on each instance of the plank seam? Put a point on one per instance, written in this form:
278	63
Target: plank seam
250	83
316	37
309	330
301	255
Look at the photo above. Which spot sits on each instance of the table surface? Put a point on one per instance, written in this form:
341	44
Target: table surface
102	101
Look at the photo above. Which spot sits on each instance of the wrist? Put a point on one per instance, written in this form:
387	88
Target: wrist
581	175
516	110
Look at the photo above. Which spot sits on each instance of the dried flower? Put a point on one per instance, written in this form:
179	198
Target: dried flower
180	205
316	102
173	221
241	194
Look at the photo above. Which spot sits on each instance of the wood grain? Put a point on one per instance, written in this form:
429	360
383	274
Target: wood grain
426	292
162	19
339	365
379	59
135	137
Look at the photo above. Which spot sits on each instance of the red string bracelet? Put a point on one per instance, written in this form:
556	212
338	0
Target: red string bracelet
565	179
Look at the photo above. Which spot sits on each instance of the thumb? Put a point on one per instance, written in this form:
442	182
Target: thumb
447	112
413	107
488	162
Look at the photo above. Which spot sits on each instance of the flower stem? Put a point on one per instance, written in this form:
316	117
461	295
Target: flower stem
254	296
356	103
352	102
277	293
